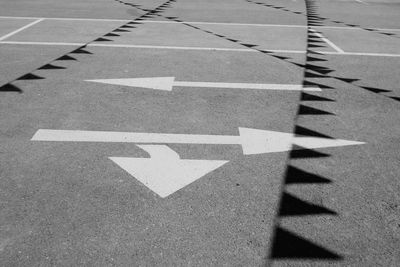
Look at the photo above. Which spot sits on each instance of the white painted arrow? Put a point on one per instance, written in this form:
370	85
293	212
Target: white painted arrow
253	141
167	83
165	172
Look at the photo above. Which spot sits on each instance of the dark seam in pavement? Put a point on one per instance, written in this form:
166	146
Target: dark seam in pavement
9	87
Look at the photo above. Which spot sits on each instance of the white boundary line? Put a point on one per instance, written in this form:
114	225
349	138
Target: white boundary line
198	48
188	48
41	43
151	47
20	29
362	2
77	19
326	40
201	23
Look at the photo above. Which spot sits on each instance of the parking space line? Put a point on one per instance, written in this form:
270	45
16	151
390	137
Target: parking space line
362	2
20	29
176	47
224	23
201	23
364	54
200	48
41	43
326	40
73	19
196	48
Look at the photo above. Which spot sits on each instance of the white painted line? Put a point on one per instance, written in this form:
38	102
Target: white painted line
165	172
202	23
262	25
359	54
253	141
20	29
195	48
176	47
41	43
223	23
200	48
362	2
67	19
167	84
326	40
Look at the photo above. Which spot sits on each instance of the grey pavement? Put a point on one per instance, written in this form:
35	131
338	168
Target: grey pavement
101	202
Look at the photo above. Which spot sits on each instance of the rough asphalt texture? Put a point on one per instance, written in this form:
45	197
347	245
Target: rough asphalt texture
67	204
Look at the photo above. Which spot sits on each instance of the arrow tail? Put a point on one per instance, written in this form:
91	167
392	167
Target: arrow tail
253	86
128	137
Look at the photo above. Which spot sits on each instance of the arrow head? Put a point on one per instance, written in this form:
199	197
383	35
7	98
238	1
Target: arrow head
156	83
256	141
165	173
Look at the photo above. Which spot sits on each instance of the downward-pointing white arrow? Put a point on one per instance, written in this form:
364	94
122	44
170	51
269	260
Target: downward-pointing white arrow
167	84
253	141
165	172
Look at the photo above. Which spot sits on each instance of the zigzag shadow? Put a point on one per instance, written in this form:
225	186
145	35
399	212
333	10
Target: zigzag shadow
10	87
312	69
316	20
287	245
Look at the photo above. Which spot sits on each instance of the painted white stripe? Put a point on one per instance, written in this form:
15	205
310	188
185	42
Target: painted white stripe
362	2
284	87
200	48
41	43
168	83
196	48
179	47
61	19
326	40
223	23
203	23
253	141
20	29
127	137
365	54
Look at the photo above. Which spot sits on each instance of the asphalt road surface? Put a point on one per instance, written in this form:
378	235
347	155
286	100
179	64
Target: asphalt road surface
200	133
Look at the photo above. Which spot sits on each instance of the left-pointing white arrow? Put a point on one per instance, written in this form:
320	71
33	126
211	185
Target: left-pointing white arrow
167	84
253	141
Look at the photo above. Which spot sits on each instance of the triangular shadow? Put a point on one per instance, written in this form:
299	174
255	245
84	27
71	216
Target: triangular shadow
309	97
297	176
298	152
302	131
294	206
81	51
66	57
375	90
51	67
306	110
30	76
287	245
10	88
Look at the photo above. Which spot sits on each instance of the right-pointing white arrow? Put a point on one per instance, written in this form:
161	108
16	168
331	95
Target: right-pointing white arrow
253	141
167	84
